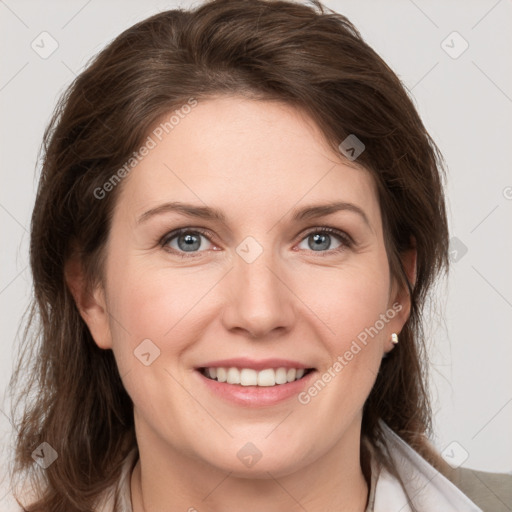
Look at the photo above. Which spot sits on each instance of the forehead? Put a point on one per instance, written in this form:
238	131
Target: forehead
234	152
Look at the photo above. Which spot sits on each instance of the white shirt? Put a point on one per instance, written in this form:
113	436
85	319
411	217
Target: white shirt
427	489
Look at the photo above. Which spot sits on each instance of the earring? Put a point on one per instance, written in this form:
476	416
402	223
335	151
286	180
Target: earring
394	338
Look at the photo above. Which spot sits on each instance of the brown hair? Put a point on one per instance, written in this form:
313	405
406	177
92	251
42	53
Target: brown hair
305	56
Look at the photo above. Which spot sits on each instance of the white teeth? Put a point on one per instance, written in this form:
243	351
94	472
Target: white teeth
250	377
267	378
221	374
247	377
281	376
233	376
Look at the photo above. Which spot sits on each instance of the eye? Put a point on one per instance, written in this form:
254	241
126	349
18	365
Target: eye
185	240
321	240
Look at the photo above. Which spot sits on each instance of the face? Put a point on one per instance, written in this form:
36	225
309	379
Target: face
247	273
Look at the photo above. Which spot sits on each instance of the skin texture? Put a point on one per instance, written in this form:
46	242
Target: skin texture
257	162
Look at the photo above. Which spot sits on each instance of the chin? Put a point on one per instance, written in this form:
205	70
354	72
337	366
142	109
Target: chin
249	461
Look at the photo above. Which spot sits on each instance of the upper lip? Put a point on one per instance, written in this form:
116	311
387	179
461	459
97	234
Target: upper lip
262	364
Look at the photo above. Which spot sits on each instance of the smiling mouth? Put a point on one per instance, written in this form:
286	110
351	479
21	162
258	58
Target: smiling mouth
249	377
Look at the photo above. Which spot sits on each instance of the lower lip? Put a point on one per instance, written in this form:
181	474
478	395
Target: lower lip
257	396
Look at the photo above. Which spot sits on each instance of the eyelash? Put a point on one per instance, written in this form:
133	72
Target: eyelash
345	239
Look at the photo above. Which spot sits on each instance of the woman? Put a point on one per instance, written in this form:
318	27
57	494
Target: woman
239	219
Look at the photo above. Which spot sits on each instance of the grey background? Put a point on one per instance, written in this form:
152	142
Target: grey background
466	104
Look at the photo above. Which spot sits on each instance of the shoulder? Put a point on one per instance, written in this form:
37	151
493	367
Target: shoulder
490	491
417	485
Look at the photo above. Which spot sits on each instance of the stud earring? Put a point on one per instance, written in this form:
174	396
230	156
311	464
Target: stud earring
394	338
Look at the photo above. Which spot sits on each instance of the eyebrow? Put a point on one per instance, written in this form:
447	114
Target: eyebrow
208	213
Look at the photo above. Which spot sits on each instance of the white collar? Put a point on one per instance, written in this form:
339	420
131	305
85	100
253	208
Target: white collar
425	488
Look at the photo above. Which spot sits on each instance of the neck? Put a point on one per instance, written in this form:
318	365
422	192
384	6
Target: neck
166	480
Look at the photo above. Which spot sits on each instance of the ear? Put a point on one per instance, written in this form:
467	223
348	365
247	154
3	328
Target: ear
90	304
399	298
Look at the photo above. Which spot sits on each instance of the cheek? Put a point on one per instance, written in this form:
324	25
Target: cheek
350	299
165	307
160	304
352	303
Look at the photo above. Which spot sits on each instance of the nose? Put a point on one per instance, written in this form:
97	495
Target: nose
259	300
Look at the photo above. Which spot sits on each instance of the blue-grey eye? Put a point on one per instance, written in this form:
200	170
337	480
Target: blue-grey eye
320	241
186	241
